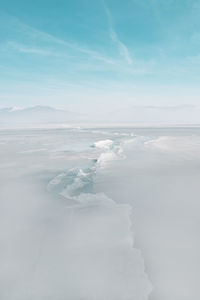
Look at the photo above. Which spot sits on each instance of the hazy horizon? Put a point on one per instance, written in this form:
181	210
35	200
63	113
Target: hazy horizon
152	115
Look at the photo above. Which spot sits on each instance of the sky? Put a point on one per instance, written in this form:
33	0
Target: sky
100	55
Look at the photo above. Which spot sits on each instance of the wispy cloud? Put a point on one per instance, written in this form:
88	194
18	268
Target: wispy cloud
30	49
31	40
38	34
123	50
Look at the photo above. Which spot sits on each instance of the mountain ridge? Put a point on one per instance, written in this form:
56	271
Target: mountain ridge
37	114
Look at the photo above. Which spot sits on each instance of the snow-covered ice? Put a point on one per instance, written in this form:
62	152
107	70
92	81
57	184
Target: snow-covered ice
99	214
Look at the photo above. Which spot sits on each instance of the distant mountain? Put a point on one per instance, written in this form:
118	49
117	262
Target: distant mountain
182	114
37	114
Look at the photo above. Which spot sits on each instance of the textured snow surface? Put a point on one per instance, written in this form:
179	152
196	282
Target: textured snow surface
92	214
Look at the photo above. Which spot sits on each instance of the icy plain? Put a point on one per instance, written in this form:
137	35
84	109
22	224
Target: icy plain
99	214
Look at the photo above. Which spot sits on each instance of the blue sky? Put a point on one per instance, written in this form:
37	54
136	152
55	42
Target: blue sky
88	55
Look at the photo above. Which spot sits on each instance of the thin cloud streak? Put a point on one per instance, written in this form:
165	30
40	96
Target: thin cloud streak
123	50
32	50
48	37
38	35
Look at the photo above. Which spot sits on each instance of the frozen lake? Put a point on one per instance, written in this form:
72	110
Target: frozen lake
100	214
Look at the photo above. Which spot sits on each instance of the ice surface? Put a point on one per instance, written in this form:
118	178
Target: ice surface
71	201
160	180
65	241
104	144
107	266
92	256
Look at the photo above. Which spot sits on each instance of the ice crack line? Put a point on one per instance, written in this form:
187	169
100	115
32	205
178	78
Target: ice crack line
100	234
